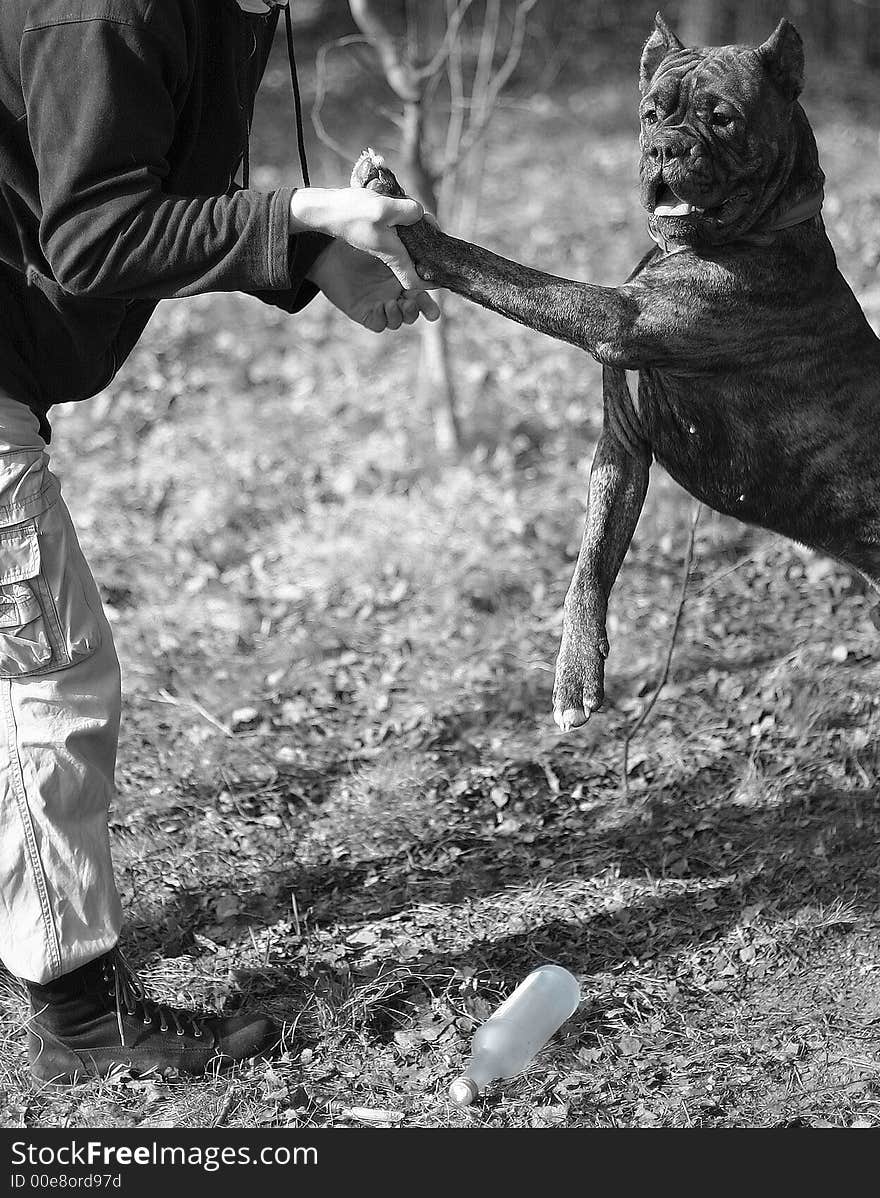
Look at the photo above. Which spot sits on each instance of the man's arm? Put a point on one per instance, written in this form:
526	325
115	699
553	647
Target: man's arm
100	102
100	108
305	250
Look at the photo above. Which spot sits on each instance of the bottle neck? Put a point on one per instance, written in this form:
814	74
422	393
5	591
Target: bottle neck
482	1068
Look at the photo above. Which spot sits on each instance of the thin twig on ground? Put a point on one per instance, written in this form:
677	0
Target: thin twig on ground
225	1106
664	676
165	696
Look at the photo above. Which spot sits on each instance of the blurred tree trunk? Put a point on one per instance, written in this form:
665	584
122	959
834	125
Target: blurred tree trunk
420	47
870	38
825	24
435	386
436	389
708	23
753	23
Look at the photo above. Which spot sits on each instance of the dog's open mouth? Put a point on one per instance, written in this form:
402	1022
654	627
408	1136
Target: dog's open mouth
667	203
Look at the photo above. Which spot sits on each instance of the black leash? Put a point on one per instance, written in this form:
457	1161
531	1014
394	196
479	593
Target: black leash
297	102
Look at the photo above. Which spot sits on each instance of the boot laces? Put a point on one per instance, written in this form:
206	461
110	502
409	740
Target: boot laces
130	997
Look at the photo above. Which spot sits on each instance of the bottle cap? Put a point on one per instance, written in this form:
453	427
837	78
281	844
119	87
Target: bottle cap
463	1091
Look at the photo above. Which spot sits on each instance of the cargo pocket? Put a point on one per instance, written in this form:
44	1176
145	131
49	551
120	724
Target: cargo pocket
25	642
46	623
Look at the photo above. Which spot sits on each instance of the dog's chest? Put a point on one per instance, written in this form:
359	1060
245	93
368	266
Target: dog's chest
708	435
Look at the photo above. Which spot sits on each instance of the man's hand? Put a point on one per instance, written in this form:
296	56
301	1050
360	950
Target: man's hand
359	285
363	219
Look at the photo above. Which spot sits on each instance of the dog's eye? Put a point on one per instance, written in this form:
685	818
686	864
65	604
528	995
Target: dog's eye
649	116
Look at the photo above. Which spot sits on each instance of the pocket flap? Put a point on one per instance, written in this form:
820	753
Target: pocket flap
19	554
18	605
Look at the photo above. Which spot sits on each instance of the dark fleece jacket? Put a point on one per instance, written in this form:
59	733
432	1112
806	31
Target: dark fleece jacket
122	126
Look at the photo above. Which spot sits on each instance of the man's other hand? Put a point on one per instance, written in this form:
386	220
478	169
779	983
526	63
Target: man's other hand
367	291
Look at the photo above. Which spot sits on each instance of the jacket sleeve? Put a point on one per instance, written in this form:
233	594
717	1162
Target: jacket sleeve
304	249
100	104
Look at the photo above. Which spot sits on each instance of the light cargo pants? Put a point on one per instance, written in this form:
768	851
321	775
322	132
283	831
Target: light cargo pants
59	723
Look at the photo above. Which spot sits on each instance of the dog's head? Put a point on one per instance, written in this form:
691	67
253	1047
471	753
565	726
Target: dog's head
723	141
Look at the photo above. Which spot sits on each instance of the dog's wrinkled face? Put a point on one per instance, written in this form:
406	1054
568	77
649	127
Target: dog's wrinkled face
717	135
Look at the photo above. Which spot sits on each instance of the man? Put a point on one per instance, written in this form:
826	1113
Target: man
122	127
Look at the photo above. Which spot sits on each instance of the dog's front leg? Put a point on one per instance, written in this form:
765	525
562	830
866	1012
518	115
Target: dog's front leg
618	483
602	320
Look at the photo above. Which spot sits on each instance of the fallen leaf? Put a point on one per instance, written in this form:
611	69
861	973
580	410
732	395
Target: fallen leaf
244	715
630	1046
226	907
371	1115
363	936
550	1116
500	796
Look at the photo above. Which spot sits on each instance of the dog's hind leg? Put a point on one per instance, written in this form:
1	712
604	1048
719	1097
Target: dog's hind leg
618	484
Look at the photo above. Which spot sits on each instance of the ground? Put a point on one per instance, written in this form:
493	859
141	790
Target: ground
341	793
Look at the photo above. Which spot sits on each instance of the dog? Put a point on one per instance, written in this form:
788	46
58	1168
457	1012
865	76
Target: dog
758	374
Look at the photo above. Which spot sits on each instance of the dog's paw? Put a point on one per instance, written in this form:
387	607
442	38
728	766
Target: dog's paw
371	172
579	688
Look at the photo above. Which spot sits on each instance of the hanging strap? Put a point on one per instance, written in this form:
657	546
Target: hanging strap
297	102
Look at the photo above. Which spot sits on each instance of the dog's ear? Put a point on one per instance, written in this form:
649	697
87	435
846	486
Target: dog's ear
661	43
783	56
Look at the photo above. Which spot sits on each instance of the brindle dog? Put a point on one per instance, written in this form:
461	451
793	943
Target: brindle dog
758	374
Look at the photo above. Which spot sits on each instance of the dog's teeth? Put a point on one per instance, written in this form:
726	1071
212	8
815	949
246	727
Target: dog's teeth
682	208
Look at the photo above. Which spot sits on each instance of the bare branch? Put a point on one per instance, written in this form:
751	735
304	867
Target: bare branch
486	53
391	116
682	596
352	39
413	34
450	39
454	73
478	127
466	175
401	76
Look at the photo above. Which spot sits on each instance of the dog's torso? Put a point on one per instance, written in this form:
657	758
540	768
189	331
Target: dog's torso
755	356
759	376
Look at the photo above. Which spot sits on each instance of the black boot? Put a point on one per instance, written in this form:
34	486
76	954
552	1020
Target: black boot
98	1018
